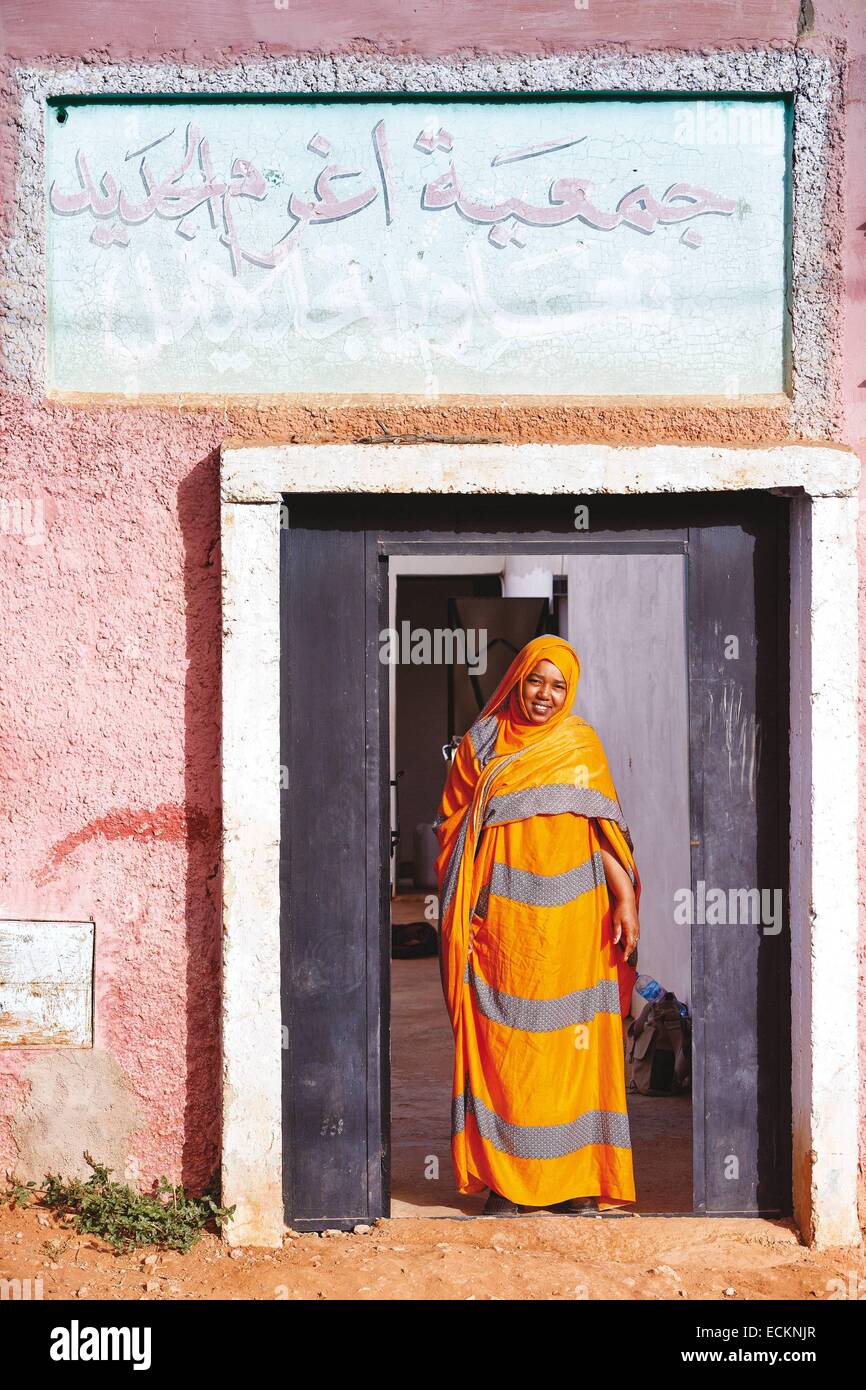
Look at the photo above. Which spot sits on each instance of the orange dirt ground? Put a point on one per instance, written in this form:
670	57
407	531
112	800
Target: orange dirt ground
530	1257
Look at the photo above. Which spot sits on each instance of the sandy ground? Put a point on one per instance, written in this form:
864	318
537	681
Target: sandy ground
531	1257
460	1255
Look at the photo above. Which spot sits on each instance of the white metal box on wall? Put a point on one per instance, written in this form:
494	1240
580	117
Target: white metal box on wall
46	984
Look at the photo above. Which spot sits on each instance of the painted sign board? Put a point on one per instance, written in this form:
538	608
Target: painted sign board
485	247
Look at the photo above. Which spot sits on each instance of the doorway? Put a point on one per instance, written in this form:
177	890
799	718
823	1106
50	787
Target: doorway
343	1157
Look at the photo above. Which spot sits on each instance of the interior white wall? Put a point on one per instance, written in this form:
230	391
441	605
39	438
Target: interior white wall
626	620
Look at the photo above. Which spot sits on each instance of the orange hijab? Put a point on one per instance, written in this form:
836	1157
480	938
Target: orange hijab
517	728
504	753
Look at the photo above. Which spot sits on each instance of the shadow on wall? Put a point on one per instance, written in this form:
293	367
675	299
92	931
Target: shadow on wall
198	514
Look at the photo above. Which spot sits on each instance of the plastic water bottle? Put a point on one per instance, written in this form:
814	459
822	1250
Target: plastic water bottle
648	988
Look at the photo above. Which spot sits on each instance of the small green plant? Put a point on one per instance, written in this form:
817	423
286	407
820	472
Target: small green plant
18	1194
124	1217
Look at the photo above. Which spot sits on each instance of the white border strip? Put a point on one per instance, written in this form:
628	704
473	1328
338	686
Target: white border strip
824	796
251	1013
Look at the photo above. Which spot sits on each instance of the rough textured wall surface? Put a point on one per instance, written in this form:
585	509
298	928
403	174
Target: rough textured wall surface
430	27
109	695
110	755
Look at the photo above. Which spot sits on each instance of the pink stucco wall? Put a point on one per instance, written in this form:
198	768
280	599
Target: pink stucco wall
109	672
109	716
427	27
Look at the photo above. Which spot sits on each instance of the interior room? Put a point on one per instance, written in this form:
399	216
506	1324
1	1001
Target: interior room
624	615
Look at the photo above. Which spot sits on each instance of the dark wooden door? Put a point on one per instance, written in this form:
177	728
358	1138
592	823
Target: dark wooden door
334	856
336	920
738	705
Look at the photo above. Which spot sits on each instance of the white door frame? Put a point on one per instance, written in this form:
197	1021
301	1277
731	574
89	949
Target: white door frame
822	482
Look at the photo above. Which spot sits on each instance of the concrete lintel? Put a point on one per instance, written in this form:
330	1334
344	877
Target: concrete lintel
261	473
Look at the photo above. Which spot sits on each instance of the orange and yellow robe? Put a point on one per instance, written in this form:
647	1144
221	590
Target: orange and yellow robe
534	984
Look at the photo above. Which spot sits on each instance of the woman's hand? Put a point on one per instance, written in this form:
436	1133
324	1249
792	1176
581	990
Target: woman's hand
624	918
625	923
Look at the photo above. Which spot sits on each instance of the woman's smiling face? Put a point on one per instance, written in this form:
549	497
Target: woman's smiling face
544	691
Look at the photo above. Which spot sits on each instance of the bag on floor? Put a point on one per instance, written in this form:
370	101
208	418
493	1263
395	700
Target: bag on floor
659	1056
411	940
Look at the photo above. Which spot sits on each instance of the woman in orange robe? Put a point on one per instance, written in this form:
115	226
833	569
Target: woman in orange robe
538	897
